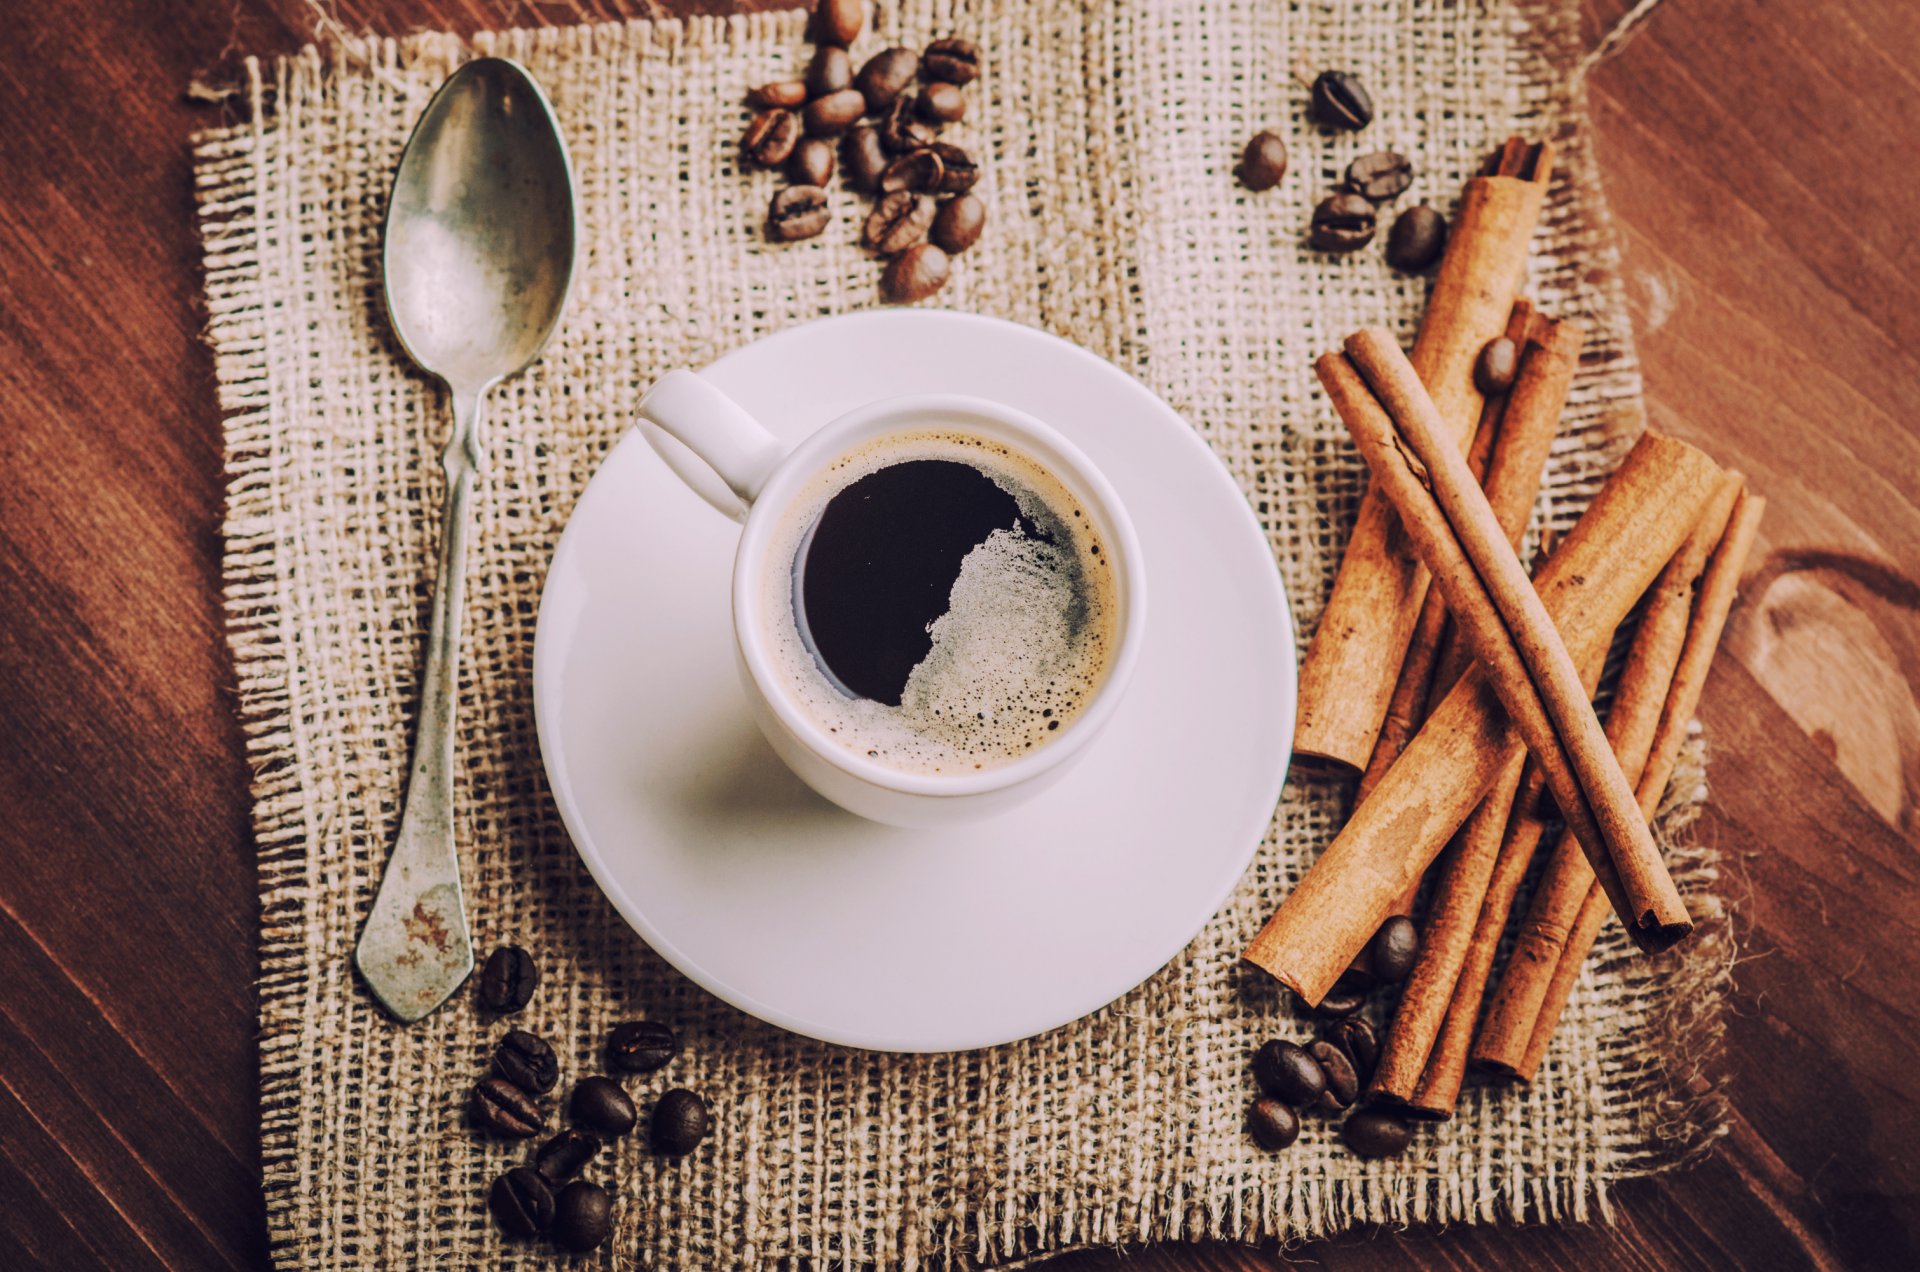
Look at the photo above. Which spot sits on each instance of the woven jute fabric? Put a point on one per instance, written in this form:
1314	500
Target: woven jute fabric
1108	133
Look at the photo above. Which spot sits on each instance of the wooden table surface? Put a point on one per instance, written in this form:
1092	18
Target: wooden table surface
1762	159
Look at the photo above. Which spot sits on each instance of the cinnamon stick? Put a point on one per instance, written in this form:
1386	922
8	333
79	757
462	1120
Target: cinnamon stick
1715	598
1353	664
1588	584
1513	638
1645	682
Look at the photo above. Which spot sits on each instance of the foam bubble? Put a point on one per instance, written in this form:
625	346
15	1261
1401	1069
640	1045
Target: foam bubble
1020	650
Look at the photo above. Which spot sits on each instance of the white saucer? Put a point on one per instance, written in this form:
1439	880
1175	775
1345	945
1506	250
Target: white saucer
861	934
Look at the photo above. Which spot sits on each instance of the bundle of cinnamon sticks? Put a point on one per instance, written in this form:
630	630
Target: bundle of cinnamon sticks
1462	691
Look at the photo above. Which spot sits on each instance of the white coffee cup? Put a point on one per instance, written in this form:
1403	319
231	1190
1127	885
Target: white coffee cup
766	476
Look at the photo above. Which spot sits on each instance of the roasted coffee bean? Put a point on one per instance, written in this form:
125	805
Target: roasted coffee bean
680	1122
582	1216
837	22
1286	1072
1380	176
915	274
830	71
641	1046
560	1158
507	981
527	1062
1272	1124
896	223
501	1108
885	76
900	132
770	138
602	1106
919	170
1339	101
1354	1036
1348	995
833	114
1372	1133
958	223
1493	371
1391	953
1343	1084
941	103
811	163
1418	237
797	212
1343	223
522	1202
957	170
865	159
781	93
952	59
1263	162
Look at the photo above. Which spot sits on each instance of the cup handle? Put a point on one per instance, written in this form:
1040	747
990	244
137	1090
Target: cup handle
717	430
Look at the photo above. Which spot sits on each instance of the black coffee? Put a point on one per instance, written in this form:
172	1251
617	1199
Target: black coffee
950	604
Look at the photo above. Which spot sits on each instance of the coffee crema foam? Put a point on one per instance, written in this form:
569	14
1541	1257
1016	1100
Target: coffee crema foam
1022	647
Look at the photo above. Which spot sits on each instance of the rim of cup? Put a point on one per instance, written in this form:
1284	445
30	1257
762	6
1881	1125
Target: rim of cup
965	414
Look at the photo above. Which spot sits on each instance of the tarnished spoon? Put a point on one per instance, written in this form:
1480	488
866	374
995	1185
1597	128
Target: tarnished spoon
479	254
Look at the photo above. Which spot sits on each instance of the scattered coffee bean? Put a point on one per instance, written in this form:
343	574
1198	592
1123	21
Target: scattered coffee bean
838	22
1418	237
582	1216
915	274
1343	1084
1493	371
1286	1072
527	1062
865	159
560	1158
500	1107
1272	1124
1381	176
941	103
1342	223
833	114
1391	953
811	163
680	1122
1263	162
952	60
507	981
896	223
770	137
797	212
603	1106
1372	1133
1354	1036
957	170
885	76
780	93
521	1202
1348	995
641	1046
830	71
958	223
919	170
900	133
1339	101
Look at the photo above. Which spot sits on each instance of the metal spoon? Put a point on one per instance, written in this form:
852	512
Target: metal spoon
479	255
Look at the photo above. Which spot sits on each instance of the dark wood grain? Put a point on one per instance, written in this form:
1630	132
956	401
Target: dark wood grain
1761	158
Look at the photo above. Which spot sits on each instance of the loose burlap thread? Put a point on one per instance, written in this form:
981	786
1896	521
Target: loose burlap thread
1108	133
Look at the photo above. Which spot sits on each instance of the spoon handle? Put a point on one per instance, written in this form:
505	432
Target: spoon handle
415	949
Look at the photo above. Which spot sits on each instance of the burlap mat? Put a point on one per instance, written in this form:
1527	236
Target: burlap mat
1109	133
